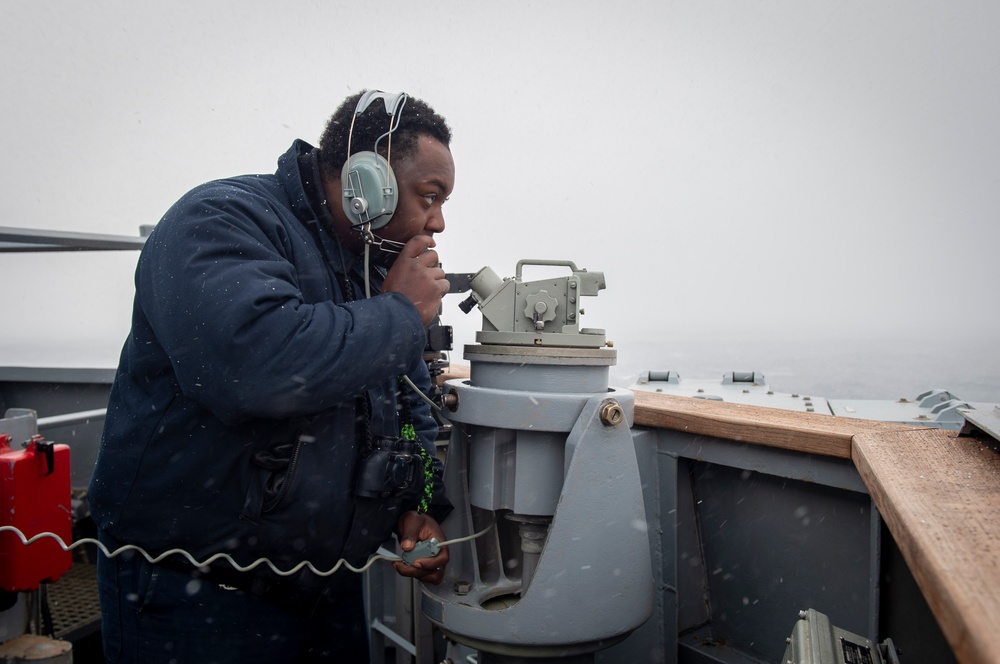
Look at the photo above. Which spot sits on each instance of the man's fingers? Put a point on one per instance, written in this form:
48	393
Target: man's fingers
417	245
434	576
429	258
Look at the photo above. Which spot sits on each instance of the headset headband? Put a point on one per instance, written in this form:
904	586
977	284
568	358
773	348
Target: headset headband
393	102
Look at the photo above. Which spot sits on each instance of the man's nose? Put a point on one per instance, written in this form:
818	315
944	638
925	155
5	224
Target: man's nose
436	223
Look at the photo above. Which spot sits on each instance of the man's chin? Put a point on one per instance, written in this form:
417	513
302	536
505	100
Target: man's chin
382	258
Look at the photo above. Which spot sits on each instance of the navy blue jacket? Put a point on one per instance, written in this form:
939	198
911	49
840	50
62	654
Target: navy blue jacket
232	422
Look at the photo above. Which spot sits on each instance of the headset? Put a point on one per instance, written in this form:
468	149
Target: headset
370	190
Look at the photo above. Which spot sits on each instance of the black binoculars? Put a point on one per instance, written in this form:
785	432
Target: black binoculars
392	468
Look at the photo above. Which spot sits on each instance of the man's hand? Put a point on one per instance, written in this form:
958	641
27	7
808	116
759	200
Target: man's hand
414	527
416	275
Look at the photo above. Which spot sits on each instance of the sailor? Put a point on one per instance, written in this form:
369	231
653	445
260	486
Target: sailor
269	399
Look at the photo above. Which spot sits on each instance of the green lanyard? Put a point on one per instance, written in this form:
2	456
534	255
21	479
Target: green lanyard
407	432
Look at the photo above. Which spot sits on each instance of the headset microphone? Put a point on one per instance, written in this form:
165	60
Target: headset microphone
370	190
387	246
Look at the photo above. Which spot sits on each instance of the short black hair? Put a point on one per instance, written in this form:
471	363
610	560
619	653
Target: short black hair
415	118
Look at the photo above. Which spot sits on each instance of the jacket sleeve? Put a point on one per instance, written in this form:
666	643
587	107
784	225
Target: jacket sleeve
219	283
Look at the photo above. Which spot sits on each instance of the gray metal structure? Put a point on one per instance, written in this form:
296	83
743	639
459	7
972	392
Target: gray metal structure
35	240
746	537
932	408
541	449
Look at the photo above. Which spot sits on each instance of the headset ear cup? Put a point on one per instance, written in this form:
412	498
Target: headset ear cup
370	191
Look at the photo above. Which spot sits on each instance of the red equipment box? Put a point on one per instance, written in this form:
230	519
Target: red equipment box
34	498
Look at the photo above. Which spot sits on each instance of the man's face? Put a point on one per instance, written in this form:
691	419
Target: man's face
425	180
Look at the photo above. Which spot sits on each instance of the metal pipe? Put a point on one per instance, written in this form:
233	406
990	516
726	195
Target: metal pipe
71	418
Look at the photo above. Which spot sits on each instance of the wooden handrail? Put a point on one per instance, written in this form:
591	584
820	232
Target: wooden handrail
803	432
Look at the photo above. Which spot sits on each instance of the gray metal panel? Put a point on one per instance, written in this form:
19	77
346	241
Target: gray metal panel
656	640
946	413
701	647
985	419
693	601
749	536
874	572
728	390
773	546
829	471
905	616
71	375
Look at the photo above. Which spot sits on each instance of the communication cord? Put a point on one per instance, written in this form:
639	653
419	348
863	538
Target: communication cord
305	564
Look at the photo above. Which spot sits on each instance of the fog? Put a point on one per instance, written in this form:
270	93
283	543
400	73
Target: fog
738	170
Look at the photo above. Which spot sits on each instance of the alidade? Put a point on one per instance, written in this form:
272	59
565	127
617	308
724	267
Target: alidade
541	446
536	313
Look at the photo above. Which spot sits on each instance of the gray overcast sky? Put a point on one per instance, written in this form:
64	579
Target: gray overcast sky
743	168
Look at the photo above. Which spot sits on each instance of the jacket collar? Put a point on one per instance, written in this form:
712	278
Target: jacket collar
299	174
